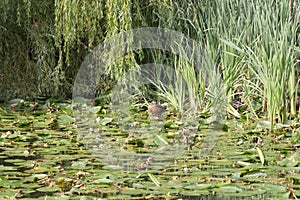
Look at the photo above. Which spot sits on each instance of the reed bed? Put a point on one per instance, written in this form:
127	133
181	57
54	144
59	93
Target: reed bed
254	45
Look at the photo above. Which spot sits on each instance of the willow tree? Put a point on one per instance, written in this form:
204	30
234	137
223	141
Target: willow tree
82	25
44	42
28	53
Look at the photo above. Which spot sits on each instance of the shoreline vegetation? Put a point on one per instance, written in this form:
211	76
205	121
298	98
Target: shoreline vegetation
254	46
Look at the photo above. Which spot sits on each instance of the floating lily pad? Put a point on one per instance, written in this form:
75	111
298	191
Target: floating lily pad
112	167
289	162
264	124
229	189
201	193
78	164
103	181
8	168
135	192
48	189
202	186
271	187
15	161
106	121
65	119
39	161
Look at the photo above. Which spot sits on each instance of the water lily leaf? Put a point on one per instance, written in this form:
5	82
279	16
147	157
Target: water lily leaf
66	108
242	163
288	162
202	186
47	189
168	124
95	109
103	181
256	175
135	192
3	179
2	111
192	193
15	161
106	120
236	175
78	164
80	100
24	123
264	124
112	167
249	152
230	189
17	101
8	168
273	187
40	176
66	119
280	126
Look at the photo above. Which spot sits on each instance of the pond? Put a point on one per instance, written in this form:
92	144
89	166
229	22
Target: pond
43	156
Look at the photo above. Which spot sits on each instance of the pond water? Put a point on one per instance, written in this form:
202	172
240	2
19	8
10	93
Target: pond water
43	155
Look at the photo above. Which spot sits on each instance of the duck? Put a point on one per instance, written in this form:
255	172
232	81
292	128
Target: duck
156	109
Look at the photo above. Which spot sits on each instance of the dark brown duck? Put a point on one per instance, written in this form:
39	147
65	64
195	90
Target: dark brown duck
156	109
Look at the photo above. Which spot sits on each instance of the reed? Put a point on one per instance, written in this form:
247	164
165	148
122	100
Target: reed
253	44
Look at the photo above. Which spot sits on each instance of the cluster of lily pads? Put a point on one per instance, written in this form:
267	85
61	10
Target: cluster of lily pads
42	156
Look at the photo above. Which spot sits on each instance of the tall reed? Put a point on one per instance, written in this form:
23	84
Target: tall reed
253	44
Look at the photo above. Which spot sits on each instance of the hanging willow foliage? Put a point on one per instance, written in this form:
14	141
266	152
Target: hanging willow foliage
27	48
77	21
118	19
44	42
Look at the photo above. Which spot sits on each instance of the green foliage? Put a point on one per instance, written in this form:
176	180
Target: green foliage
254	45
260	43
27	48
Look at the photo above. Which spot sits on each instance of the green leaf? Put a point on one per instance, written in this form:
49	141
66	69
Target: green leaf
201	186
264	124
106	120
66	119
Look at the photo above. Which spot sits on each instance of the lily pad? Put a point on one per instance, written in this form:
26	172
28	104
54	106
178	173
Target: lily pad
66	119
202	186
